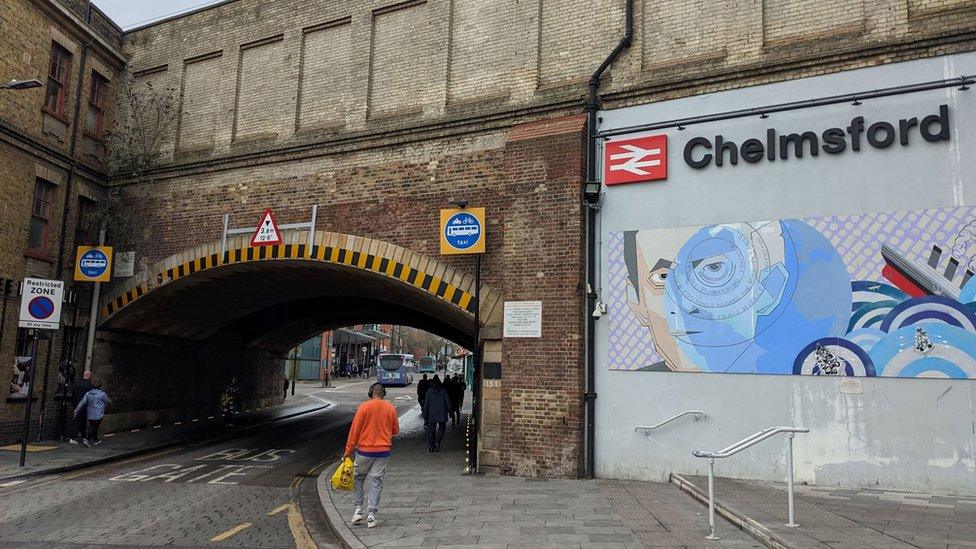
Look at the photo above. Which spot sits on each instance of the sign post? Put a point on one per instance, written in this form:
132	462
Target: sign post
462	231
40	309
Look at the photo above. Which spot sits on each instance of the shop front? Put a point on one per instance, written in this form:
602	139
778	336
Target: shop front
794	254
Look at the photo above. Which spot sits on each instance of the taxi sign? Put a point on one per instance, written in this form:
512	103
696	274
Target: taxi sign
93	264
40	306
463	231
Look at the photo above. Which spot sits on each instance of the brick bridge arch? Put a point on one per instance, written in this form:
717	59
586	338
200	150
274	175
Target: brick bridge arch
150	301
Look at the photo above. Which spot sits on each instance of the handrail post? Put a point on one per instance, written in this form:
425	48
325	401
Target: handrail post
789	472
711	499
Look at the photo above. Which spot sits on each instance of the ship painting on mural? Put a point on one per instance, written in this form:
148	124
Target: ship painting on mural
887	294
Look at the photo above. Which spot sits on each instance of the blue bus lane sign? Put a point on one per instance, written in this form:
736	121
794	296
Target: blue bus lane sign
462	231
93	264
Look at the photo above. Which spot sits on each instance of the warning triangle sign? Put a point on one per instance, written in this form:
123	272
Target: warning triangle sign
267	233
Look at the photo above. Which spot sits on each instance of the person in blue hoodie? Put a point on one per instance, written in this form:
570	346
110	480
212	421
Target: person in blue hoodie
94	403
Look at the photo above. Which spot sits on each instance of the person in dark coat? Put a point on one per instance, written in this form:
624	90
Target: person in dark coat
449	389
80	387
422	386
458	399
437	408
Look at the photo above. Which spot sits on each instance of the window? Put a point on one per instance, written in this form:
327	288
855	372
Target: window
25	342
96	106
83	228
57	80
40	218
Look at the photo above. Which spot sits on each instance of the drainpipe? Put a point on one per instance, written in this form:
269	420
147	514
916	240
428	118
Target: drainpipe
592	106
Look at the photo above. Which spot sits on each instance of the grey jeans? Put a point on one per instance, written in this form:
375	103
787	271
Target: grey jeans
371	469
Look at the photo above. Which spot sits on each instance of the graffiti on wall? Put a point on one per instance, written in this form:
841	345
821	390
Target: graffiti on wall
889	294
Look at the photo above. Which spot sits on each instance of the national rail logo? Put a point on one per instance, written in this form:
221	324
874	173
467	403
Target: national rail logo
635	160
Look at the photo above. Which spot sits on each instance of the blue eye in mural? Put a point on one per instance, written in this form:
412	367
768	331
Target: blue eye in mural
746	297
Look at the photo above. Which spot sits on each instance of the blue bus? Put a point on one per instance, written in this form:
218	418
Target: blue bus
394	369
427	365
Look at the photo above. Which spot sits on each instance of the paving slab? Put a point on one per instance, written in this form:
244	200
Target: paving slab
843	517
428	501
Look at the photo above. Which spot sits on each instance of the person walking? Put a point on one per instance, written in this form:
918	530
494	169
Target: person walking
459	388
449	389
370	436
437	407
93	403
286	389
79	388
422	386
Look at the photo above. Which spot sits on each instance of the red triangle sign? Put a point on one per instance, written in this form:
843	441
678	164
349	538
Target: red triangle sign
267	233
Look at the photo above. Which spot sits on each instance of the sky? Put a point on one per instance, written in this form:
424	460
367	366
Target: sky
134	13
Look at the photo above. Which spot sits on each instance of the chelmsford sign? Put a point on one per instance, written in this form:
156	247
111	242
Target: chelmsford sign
644	158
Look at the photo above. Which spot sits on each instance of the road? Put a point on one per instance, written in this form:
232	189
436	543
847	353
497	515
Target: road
255	490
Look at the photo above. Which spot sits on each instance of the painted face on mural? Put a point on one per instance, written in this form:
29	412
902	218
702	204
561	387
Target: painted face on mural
646	298
728	298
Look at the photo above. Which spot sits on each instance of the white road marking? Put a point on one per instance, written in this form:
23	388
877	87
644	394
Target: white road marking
12	483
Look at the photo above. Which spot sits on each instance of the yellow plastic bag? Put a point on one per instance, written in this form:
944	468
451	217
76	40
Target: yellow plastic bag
342	478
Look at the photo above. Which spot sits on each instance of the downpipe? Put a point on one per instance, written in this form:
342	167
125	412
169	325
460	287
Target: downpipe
592	106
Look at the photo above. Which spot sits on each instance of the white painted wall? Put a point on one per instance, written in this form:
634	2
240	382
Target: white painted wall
907	434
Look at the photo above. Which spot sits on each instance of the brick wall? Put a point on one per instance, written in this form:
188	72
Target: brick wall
362	69
529	179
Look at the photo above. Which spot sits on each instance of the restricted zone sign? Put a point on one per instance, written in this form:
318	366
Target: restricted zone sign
463	231
94	264
40	306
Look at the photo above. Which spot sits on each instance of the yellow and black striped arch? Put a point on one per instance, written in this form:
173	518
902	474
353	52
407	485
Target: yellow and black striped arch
330	254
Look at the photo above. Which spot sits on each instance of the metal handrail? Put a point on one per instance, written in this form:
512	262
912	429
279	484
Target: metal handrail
697	413
737	447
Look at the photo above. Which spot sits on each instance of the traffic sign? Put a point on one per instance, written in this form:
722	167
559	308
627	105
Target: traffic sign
40	306
463	231
267	233
93	264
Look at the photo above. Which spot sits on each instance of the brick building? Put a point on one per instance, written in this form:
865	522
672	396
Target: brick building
52	173
380	113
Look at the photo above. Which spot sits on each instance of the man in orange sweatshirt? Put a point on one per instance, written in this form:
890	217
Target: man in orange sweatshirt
371	434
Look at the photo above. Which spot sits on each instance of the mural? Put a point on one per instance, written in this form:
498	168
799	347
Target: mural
890	294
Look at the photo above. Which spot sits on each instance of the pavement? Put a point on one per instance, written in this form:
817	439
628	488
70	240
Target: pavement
837	517
428	501
64	457
252	487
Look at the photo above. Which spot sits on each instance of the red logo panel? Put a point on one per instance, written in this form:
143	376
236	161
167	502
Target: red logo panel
634	160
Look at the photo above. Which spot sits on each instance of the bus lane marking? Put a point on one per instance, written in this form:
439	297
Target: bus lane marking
246	461
231	532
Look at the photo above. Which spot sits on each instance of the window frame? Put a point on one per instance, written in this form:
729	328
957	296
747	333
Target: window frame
61	58
40	252
97	97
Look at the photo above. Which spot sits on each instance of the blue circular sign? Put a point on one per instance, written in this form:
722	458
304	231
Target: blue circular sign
93	263
40	307
462	230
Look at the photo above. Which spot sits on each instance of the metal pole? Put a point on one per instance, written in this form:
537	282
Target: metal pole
476	352
93	313
711	500
223	238
311	231
6	289
789	481
31	374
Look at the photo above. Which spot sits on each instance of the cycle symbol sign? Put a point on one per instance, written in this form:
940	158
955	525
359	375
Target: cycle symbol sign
463	231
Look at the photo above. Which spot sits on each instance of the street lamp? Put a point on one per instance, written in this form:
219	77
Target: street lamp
21	84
